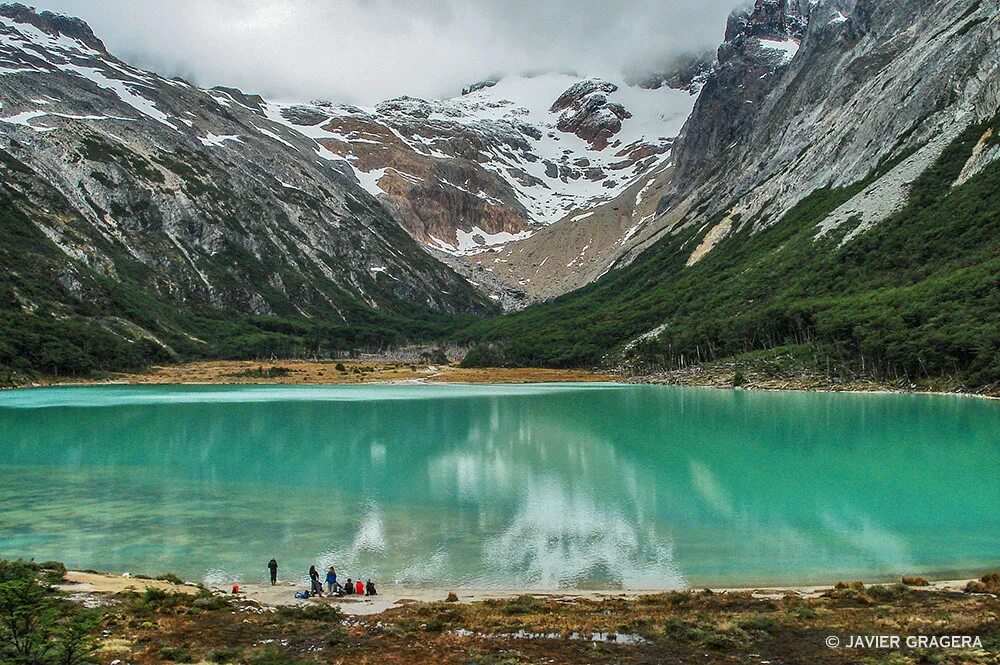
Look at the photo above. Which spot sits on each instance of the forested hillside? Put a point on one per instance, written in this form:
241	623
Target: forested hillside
917	295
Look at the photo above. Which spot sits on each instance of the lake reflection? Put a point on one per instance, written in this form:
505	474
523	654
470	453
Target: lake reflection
588	486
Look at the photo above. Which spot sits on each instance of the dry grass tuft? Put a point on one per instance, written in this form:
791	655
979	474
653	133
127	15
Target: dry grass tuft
915	581
989	583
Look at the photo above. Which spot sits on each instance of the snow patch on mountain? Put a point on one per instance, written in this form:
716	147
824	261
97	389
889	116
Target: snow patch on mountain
788	47
512	131
213	140
477	240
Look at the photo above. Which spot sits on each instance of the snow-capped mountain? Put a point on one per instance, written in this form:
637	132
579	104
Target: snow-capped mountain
131	181
760	46
502	160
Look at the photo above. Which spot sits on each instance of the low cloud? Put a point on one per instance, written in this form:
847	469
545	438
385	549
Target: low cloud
363	51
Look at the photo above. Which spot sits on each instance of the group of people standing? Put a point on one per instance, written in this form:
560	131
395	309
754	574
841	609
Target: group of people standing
333	587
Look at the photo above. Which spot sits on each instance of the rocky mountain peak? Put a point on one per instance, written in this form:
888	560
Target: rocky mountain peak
53	24
768	19
208	199
586	112
479	85
405	105
684	72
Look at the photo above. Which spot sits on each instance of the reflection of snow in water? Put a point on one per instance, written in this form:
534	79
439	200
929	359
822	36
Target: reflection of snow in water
434	567
559	538
545	509
709	489
871	540
219	577
580	522
371	534
369	539
470	474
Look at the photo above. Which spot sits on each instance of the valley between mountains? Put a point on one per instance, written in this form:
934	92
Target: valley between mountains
819	197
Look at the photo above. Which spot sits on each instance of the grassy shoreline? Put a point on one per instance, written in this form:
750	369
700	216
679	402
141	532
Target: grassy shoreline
156	622
393	596
324	372
764	376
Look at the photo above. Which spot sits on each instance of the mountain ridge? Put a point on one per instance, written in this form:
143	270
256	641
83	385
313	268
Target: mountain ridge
824	133
839	221
172	195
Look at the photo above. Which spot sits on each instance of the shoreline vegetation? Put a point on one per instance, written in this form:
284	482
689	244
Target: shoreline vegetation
143	621
773	373
323	372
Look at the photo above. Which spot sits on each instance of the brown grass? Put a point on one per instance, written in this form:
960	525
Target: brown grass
354	373
675	627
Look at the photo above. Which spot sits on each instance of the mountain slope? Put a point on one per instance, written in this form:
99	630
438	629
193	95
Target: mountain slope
872	81
127	188
869	237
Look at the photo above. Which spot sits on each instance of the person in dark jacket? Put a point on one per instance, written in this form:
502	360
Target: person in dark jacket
349	587
272	566
317	586
370	589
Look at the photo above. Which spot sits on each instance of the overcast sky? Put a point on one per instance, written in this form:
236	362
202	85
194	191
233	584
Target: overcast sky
363	51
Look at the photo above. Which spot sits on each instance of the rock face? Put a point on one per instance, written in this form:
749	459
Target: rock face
759	46
803	95
873	81
192	196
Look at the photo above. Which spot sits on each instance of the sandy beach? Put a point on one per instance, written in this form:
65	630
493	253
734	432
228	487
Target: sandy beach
390	597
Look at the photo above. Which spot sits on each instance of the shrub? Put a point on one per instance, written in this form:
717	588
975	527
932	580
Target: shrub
176	654
223	655
525	605
434	625
760	622
153	596
436	356
311	612
272	657
36	625
989	583
209	602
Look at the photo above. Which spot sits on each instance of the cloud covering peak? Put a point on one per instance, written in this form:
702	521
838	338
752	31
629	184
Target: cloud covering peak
364	51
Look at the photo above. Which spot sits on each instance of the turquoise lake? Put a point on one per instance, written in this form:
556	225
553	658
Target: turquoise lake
544	486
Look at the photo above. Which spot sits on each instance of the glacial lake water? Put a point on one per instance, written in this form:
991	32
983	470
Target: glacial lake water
545	486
